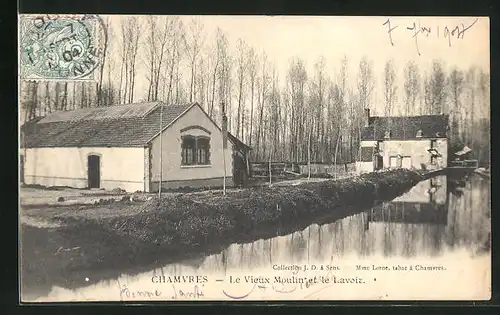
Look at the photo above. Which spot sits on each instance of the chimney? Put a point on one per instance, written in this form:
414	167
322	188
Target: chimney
367	117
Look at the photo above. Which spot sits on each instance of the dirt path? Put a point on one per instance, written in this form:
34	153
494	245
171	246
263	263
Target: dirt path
70	196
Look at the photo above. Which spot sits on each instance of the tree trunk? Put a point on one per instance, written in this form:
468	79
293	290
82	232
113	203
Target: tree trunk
101	74
251	115
336	152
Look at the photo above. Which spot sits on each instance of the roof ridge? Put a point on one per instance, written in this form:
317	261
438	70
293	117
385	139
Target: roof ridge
124	104
184	106
412	116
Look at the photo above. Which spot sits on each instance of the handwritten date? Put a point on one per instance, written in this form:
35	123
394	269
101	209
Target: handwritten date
417	30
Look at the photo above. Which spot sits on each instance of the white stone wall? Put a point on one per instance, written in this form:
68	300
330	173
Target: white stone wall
364	167
171	147
147	169
120	167
414	153
442	147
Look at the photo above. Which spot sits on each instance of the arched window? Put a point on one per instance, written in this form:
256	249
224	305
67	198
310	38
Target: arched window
419	133
195	150
387	134
203	147
188	150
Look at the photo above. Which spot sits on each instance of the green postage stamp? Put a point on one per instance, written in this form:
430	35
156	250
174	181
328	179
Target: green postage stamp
60	47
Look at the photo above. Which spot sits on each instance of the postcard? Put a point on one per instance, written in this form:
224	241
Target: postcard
230	158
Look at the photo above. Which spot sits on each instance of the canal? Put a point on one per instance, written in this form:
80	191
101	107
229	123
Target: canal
441	220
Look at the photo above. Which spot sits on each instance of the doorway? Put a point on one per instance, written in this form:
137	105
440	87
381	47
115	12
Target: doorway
94	171
379	162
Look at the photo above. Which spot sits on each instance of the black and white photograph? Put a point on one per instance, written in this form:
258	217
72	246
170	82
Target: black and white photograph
247	157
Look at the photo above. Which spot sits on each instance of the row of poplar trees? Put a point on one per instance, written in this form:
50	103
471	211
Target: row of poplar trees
282	116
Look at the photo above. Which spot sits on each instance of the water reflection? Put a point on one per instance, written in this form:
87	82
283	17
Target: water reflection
438	215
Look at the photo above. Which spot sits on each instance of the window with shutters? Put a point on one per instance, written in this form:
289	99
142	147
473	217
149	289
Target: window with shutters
195	150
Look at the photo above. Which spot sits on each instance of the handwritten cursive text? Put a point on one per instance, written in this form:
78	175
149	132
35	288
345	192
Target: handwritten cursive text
195	293
417	30
127	293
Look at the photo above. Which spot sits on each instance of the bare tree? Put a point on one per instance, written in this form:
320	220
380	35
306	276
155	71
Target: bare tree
108	89
84	97
390	87
123	64
159	29
170	76
273	105
484	91
135	31
241	74
220	41
172	62
412	87
297	78
333	113
437	88
224	74
284	125
483	131
193	42
317	103
130	33
365	82
342	92
456	87
264	78
427	97
365	88
470	103
105	26
65	96
252	72
201	82
28	99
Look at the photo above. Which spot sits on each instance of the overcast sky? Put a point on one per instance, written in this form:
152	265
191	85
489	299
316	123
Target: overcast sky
310	37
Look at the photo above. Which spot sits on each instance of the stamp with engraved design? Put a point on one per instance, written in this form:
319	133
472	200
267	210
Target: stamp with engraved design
60	47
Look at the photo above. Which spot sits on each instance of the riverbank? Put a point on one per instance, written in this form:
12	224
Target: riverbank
196	220
117	237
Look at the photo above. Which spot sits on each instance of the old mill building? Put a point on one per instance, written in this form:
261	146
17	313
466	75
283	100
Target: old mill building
119	147
413	142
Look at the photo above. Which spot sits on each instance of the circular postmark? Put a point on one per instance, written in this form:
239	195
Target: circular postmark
60	47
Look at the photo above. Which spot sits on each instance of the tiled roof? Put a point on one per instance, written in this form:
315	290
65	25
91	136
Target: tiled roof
238	143
113	126
100	113
405	128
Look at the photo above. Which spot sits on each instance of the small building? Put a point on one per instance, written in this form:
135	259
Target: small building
463	154
413	142
119	147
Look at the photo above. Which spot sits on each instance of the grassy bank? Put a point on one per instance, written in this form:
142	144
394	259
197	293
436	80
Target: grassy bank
197	221
183	226
190	222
